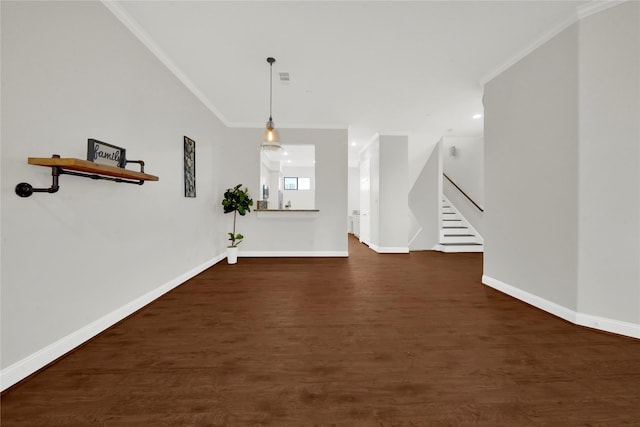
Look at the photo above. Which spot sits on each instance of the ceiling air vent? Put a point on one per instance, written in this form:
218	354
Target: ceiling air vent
284	77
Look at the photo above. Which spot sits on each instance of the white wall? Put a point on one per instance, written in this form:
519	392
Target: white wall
300	199
71	71
269	176
275	186
389	200
290	233
365	194
466	168
531	179
425	201
562	222
374	202
353	202
609	221
354	190
394	194
421	145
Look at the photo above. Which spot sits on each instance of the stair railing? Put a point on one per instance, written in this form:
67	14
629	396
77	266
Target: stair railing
463	193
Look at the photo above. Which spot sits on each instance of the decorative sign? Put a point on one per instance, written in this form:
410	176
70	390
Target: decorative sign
189	167
106	154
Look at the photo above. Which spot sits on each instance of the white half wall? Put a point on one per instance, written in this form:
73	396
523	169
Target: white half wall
425	201
421	146
75	262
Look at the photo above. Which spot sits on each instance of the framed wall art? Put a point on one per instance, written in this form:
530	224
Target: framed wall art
106	154
189	167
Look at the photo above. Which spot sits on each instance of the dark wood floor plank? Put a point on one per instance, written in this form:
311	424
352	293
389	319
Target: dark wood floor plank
372	340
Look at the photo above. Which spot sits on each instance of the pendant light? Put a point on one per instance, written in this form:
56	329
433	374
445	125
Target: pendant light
271	138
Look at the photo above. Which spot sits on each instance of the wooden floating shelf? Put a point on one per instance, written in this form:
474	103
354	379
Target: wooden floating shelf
91	167
83	168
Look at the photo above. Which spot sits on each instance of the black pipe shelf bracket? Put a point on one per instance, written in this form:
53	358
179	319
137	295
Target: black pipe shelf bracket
84	168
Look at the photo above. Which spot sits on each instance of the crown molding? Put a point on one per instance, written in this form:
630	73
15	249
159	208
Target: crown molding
581	12
564	24
596	6
132	25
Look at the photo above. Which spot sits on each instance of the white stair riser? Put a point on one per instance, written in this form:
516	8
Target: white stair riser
452	249
459	239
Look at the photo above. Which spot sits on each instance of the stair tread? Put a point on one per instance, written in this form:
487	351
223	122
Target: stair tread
455	227
461	244
458	235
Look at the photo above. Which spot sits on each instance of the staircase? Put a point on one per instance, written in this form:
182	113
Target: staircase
456	234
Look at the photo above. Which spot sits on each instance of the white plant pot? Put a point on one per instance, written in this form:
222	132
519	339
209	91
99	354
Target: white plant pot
232	255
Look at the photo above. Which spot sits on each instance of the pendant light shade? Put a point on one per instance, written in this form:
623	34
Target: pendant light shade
271	137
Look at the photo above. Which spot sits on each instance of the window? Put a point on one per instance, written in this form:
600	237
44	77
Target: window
304	183
297	183
290	183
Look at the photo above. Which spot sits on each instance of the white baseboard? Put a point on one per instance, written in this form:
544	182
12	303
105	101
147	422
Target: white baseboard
390	249
30	364
582	319
291	254
534	300
609	325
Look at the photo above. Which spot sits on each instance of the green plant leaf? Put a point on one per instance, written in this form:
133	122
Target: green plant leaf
237	199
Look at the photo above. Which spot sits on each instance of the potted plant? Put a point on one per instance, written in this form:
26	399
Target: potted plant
236	200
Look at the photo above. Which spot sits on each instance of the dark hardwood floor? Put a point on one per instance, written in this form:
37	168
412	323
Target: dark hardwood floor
372	340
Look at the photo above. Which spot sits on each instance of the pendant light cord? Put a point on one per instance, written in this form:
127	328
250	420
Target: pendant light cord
270	88
270	61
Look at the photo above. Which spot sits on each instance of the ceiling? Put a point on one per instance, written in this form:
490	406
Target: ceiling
388	67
